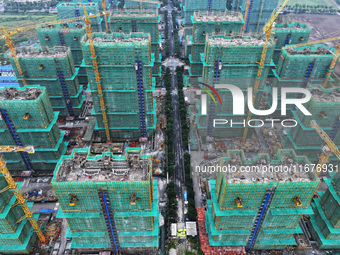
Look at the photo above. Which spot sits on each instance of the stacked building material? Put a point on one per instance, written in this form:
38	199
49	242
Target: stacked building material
145	21
68	35
54	69
27	119
109	201
125	63
258	208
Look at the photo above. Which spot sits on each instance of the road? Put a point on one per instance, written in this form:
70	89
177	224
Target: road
178	148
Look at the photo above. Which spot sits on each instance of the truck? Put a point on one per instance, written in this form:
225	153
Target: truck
185	198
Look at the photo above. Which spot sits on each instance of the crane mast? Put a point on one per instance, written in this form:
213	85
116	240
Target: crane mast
96	72
11	185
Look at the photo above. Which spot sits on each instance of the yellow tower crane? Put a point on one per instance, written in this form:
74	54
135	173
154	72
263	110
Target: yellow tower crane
7	35
327	149
105	15
268	30
13	187
335	58
96	72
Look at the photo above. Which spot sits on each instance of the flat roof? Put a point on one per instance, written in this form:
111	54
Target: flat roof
23	94
217	16
237	40
80	167
322	95
43	52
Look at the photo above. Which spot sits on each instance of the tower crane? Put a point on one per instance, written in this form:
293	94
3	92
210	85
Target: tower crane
7	34
327	149
96	72
105	15
268	30
335	58
13	187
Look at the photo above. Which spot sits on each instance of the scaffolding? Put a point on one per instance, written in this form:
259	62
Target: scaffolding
325	222
259	209
54	69
68	10
116	200
232	60
145	21
127	60
256	12
288	34
28	119
323	106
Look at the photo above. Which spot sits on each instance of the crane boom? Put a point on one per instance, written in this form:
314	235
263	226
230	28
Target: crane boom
326	138
10	148
268	29
96	72
13	187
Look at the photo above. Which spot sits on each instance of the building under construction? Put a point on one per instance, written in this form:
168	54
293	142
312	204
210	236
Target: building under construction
300	67
259	210
209	24
324	223
289	33
54	69
16	233
68	10
68	35
125	63
324	107
231	60
256	13
145	21
109	201
27	119
191	6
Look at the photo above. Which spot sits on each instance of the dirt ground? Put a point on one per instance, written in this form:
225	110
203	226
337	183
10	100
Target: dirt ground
323	27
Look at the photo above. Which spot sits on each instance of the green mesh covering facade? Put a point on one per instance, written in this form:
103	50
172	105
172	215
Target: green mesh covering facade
108	3
234	61
295	64
132	198
122	81
146	21
53	68
68	35
325	223
259	12
15	238
210	23
67	10
40	129
231	225
289	33
324	107
190	6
